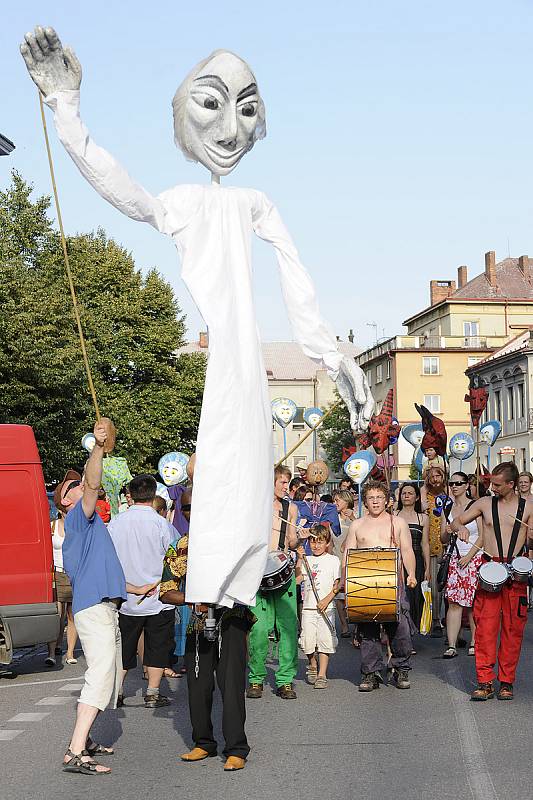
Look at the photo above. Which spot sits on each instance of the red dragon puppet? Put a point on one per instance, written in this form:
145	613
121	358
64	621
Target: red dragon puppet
434	431
382	427
477	397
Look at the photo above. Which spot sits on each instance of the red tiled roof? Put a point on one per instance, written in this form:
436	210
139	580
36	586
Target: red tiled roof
510	283
284	361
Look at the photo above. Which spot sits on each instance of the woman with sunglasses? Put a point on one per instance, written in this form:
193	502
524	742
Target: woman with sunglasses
464	566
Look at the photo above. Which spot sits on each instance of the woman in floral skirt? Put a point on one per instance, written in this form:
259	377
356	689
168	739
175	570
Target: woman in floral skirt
464	565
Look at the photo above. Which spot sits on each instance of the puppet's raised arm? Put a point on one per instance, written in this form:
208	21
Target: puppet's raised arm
57	73
310	330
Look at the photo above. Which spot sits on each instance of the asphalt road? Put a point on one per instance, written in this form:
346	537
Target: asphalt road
427	743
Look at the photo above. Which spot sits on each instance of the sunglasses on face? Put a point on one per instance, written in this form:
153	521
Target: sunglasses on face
458	483
71	486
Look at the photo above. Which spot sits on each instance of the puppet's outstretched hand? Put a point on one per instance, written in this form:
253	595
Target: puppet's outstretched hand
353	387
52	67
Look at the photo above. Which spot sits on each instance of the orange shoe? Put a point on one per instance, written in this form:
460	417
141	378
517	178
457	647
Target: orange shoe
196	754
234	763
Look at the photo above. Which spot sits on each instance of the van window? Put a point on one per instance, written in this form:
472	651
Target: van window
18	504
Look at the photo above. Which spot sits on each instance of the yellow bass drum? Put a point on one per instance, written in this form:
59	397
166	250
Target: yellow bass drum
372	585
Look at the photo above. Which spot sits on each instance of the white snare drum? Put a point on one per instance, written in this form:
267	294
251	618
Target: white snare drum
278	571
521	569
493	575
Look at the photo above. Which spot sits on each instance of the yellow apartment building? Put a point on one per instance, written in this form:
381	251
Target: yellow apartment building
463	324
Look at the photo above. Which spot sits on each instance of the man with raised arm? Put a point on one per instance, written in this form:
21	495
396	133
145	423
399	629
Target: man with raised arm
98	590
380	529
506	518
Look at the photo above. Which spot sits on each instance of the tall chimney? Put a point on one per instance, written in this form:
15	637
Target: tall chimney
350	336
440	290
490	267
523	266
203	340
462	276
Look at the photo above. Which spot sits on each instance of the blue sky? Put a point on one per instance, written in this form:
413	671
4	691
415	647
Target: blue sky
399	138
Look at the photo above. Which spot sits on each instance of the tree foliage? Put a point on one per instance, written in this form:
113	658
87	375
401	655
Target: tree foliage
132	324
335	433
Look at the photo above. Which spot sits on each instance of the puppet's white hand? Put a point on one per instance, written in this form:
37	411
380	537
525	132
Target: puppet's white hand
52	67
353	387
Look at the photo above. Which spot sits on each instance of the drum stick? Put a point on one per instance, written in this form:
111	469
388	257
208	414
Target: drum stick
520	520
313	587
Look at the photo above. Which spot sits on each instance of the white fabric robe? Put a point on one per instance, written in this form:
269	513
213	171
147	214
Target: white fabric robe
212	227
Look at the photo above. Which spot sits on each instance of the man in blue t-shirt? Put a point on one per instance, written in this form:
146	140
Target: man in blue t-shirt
98	589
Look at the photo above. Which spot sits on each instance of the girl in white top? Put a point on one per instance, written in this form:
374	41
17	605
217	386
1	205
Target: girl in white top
64	591
464	566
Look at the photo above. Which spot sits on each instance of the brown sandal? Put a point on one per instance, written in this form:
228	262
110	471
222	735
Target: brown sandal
94	749
75	763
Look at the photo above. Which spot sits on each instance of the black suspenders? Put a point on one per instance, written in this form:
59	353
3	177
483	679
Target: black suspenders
516	528
283	527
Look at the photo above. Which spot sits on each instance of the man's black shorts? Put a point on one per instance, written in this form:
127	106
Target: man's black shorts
158	638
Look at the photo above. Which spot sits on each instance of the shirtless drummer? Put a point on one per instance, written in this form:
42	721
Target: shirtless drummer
380	529
502	613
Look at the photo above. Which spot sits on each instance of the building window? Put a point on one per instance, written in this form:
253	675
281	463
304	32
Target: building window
521	404
369	376
524	464
473	360
470	328
388	369
430	365
510	402
497	405
298	423
379	373
432	402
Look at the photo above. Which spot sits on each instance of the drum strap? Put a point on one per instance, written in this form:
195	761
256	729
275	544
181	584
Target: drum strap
516	529
498	531
283	527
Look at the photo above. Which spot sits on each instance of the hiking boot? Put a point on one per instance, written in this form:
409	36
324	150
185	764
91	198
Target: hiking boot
484	691
286	692
506	691
255	691
155	701
401	677
370	681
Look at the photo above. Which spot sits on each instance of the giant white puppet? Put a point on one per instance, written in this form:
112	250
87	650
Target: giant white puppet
218	116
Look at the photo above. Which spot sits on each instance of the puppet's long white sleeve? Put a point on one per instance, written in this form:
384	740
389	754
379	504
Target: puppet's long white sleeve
310	331
97	166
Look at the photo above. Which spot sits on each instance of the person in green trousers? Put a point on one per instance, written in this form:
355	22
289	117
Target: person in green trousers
276	610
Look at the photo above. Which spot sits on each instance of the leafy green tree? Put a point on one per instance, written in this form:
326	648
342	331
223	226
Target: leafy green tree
335	433
133	326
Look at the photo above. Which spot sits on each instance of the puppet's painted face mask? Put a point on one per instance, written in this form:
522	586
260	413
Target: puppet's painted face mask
173	468
221	113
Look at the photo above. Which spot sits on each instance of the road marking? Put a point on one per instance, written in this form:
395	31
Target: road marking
30	717
71	687
7	736
476	769
53	701
37	683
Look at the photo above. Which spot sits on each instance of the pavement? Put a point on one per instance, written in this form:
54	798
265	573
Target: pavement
426	743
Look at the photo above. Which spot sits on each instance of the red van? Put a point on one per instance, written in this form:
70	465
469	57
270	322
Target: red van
28	607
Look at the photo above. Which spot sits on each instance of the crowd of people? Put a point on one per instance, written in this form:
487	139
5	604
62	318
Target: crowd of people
121	587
